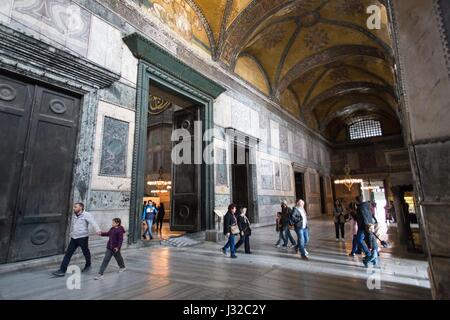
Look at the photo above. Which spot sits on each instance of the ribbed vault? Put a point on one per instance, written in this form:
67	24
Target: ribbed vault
317	58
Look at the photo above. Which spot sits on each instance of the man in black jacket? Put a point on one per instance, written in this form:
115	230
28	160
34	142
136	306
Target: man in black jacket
244	228
230	220
286	213
364	219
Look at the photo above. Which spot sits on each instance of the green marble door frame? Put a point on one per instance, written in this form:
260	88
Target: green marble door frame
163	69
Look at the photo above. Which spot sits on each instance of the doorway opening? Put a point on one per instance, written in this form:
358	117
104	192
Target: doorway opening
322	195
173	188
242	187
299	186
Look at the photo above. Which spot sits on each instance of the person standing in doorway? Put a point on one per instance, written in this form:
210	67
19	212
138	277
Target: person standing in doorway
79	237
113	247
244	228
160	219
230	229
300	220
339	220
285	221
148	216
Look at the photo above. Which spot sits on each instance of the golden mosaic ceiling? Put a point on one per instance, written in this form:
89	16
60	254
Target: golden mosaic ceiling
317	58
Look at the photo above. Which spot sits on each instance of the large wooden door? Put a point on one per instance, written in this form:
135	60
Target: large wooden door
186	192
40	126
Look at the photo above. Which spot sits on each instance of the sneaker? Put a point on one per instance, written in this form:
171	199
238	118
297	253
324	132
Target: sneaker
224	251
143	237
342	239
351	254
122	269
337	239
99	277
86	268
278	246
249	252
233	257
305	258
59	273
306	253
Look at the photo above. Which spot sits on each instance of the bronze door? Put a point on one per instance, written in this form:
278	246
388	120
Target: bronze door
186	178
39	127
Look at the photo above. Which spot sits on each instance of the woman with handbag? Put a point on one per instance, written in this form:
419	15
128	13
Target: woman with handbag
244	227
230	229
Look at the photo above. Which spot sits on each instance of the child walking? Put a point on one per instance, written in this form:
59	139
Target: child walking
115	235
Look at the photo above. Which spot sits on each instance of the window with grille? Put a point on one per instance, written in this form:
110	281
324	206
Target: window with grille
365	129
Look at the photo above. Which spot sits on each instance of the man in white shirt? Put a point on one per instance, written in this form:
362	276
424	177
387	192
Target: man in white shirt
79	237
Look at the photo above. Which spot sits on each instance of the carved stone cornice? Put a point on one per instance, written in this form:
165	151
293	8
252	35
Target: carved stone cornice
146	50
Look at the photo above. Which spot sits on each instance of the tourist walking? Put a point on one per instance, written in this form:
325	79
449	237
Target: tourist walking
148	215
160	217
230	229
113	247
339	220
279	229
246	231
300	220
286	213
365	219
353	229
79	237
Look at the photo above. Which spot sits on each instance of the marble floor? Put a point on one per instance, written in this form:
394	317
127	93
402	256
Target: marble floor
203	272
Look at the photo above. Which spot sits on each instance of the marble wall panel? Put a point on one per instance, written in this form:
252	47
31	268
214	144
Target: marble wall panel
113	161
57	21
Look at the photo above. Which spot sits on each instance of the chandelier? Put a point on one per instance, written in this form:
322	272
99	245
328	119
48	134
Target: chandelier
161	186
348	181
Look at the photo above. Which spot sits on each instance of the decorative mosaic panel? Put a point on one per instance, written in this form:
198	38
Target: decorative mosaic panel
221	167
286	177
277	176
284	146
267	174
114	147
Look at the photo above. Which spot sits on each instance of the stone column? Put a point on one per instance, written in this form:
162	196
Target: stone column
398	195
421	29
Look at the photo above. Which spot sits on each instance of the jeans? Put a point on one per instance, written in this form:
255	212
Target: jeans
303	239
341	226
360	236
354	244
230	244
288	236
83	243
246	241
280	237
149	228
108	255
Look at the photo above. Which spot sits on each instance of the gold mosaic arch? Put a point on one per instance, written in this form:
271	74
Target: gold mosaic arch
303	54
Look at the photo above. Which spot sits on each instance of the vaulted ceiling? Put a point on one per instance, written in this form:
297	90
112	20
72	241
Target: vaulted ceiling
317	58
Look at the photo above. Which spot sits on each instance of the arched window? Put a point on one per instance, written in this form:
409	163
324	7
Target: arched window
365	129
